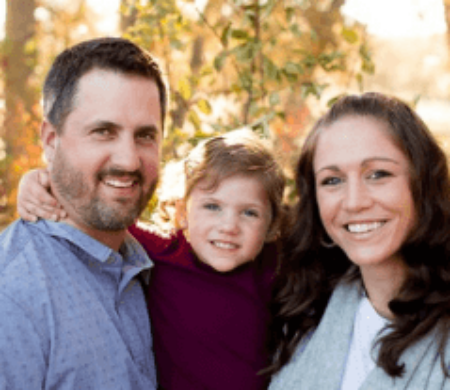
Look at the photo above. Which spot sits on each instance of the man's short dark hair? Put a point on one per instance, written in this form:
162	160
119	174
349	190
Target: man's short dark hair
115	54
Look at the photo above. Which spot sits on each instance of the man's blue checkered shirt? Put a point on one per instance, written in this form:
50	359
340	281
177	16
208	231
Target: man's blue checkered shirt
72	314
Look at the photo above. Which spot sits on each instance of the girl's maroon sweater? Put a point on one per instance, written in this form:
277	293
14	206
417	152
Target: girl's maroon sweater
209	328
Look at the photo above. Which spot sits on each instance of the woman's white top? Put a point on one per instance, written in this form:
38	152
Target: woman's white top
361	356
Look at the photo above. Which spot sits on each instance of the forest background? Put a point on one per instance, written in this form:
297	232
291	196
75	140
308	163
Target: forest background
271	65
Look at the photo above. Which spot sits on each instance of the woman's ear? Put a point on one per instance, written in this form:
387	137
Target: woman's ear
49	139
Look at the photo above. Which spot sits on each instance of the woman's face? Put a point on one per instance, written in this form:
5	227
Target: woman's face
363	192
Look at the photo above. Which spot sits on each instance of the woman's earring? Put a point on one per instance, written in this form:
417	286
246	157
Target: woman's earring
327	244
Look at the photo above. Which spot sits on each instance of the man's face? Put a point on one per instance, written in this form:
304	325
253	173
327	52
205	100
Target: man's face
105	164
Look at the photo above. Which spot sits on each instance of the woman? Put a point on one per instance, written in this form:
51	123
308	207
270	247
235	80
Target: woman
363	299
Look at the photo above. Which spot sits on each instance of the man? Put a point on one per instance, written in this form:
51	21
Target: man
72	312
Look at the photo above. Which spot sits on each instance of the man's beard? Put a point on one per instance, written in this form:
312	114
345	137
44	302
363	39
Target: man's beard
87	203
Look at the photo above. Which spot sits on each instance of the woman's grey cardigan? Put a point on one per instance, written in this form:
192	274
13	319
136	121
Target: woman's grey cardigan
319	362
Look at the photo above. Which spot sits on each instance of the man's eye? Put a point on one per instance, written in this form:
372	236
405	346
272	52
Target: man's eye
147	135
103	131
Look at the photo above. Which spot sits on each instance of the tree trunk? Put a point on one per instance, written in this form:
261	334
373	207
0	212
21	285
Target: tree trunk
128	18
20	96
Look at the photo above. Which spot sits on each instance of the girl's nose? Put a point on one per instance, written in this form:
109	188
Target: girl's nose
230	223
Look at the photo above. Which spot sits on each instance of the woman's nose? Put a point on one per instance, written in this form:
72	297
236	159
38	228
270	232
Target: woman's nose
357	196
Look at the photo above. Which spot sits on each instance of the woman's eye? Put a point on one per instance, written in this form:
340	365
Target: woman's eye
330	181
379	174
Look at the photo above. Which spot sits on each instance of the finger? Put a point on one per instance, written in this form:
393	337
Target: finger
52	209
25	215
42	212
31	189
44	178
41	196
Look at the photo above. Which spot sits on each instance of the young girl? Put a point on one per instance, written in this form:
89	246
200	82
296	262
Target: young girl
209	290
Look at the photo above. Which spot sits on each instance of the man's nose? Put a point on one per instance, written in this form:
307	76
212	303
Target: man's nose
126	155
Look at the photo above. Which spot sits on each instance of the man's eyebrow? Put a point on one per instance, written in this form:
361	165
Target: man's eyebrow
113	125
152	128
104	123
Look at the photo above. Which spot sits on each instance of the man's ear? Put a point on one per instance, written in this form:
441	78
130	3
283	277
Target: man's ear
49	139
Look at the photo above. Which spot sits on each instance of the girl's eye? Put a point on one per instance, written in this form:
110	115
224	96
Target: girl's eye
251	213
379	174
211	206
330	181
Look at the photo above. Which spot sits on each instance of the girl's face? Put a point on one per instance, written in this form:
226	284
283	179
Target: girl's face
227	226
363	191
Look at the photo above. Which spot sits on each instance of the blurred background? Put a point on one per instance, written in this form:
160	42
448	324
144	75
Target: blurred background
272	65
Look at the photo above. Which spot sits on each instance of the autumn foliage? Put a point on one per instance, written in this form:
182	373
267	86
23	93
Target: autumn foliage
229	64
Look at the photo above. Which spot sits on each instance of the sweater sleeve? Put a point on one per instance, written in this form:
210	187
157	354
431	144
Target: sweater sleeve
151	240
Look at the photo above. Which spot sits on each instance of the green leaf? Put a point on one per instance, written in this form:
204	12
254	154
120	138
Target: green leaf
195	120
236	88
350	35
204	106
367	64
309	61
334	100
244	52
310	88
268	8
290	12
219	61
368	67
245	80
184	88
416	100
290	77
270	69
225	35
295	29
176	44
254	109
239	34
206	70
274	98
281	115
293	68
360	81
332	61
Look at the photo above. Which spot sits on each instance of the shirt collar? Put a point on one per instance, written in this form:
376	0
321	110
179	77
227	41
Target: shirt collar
130	251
